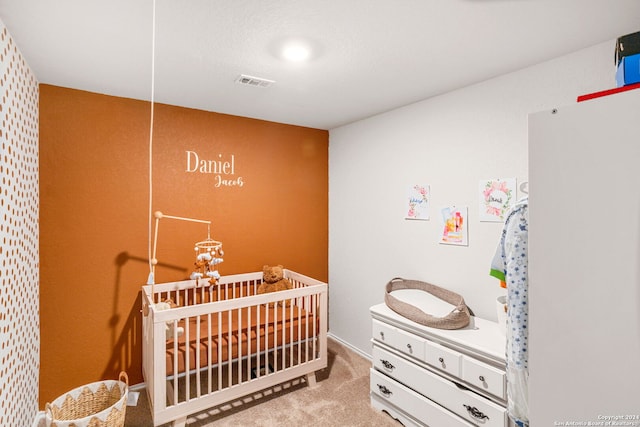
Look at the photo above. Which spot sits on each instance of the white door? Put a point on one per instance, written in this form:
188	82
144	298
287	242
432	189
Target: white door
584	262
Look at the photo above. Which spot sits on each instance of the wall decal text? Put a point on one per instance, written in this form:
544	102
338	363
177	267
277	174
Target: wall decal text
223	169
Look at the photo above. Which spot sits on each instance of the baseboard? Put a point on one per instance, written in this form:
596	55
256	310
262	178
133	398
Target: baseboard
349	346
137	387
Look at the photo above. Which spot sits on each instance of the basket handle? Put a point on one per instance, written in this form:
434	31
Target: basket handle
49	410
122	375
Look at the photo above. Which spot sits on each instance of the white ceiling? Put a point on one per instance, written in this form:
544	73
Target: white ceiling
370	55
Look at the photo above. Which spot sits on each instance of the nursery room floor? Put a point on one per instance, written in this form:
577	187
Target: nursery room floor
341	398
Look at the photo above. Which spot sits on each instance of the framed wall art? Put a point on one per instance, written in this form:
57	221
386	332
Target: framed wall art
496	198
418	201
455	226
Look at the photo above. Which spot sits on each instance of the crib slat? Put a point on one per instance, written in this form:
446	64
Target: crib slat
197	350
266	335
209	351
175	367
239	358
219	337
309	326
297	347
314	306
306	328
229	348
275	339
258	342
248	342
187	359
284	334
285	331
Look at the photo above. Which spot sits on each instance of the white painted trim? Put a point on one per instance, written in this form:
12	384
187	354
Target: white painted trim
349	346
138	387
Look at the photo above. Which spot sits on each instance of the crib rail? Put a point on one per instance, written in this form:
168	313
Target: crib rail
226	341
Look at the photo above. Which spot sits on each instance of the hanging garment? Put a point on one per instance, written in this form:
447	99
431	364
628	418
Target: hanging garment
497	268
511	265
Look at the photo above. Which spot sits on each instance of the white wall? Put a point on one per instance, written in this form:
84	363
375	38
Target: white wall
450	142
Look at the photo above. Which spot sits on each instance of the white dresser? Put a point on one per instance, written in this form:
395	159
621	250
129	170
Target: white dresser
434	377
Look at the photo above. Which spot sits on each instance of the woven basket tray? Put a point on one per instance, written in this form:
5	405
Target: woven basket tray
99	404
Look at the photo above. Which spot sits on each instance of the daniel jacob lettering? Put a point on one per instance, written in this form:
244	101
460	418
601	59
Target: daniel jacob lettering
222	168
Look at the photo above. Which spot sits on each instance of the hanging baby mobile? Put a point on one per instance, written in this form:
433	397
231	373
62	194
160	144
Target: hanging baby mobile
209	253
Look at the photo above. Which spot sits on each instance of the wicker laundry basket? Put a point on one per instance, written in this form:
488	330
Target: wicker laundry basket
99	404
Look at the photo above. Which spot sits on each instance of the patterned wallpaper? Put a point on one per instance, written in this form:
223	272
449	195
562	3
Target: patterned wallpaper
19	238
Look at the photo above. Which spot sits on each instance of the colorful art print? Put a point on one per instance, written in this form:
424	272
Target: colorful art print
496	198
455	226
418	202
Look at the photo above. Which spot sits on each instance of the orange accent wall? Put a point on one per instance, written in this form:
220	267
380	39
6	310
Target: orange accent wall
94	217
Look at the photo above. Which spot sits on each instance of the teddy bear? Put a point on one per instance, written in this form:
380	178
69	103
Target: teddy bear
167	304
273	280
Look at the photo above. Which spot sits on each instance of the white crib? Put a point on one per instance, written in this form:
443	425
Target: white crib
234	342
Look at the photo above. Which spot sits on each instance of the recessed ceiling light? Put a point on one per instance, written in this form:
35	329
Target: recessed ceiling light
296	51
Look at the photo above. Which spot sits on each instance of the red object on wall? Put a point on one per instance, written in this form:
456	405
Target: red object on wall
607	92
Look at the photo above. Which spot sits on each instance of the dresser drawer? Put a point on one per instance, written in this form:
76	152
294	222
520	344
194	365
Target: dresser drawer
484	377
405	342
410	344
412	403
443	358
392	365
385	333
467	404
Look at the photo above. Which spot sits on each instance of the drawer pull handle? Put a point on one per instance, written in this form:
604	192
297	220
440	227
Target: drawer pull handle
474	412
387	364
441	360
481	378
381	334
409	347
384	390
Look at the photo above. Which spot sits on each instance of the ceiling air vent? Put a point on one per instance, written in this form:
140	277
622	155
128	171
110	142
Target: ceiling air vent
243	79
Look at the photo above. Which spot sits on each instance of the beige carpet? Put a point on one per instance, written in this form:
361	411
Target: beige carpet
341	398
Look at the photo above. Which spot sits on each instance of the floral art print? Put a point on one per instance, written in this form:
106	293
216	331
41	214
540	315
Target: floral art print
496	198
